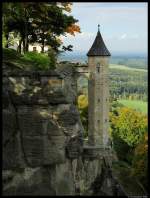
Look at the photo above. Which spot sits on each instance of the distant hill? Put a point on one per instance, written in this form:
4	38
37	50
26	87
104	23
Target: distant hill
134	61
124	67
125	82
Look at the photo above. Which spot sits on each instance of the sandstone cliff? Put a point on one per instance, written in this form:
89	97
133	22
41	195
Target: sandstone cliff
43	150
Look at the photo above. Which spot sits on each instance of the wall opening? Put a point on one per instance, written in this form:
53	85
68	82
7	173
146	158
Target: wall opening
98	67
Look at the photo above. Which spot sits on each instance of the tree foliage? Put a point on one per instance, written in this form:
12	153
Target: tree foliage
130	125
39	22
140	161
128	84
4	41
83	109
82	101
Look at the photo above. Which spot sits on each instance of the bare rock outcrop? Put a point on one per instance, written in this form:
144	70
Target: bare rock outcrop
43	150
42	132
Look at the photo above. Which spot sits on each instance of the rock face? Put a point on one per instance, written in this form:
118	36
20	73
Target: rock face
42	132
43	151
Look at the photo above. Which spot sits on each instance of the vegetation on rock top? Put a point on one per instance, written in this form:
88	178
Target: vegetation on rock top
30	60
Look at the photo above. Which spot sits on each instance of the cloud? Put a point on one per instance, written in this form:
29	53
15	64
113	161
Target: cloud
123	36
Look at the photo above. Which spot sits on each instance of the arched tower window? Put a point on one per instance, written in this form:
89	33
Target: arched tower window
98	67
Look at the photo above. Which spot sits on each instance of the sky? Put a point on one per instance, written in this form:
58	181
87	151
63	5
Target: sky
123	27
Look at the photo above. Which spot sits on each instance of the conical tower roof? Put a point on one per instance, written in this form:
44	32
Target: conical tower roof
98	48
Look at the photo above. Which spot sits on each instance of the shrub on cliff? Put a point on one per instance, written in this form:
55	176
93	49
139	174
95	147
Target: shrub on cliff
30	60
41	61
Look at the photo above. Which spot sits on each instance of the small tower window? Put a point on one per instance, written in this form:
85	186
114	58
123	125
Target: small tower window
98	67
105	120
98	121
98	100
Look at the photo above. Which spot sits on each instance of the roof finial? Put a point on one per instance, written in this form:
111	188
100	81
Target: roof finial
98	26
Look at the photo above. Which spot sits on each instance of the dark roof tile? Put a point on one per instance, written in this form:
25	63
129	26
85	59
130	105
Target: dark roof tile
98	48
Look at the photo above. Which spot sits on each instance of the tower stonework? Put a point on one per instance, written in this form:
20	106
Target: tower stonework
98	93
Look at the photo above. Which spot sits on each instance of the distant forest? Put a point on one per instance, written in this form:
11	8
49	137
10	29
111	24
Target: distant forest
140	62
135	62
124	84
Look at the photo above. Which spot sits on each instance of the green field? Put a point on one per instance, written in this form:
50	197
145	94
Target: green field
115	66
135	104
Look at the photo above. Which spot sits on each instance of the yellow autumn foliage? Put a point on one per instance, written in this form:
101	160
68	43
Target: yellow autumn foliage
82	101
140	161
129	124
72	29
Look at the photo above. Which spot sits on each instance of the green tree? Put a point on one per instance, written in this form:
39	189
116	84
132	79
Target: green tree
83	109
39	22
16	19
140	161
130	125
4	41
127	128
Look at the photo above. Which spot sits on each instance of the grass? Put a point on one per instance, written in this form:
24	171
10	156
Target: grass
123	67
135	104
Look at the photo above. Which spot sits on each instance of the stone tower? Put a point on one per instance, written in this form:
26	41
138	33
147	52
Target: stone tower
98	92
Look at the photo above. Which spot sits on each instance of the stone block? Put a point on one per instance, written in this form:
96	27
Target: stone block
54	150
9	124
44	150
74	147
64	182
33	121
32	181
70	117
12	154
27	98
54	129
56	97
40	118
5	94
